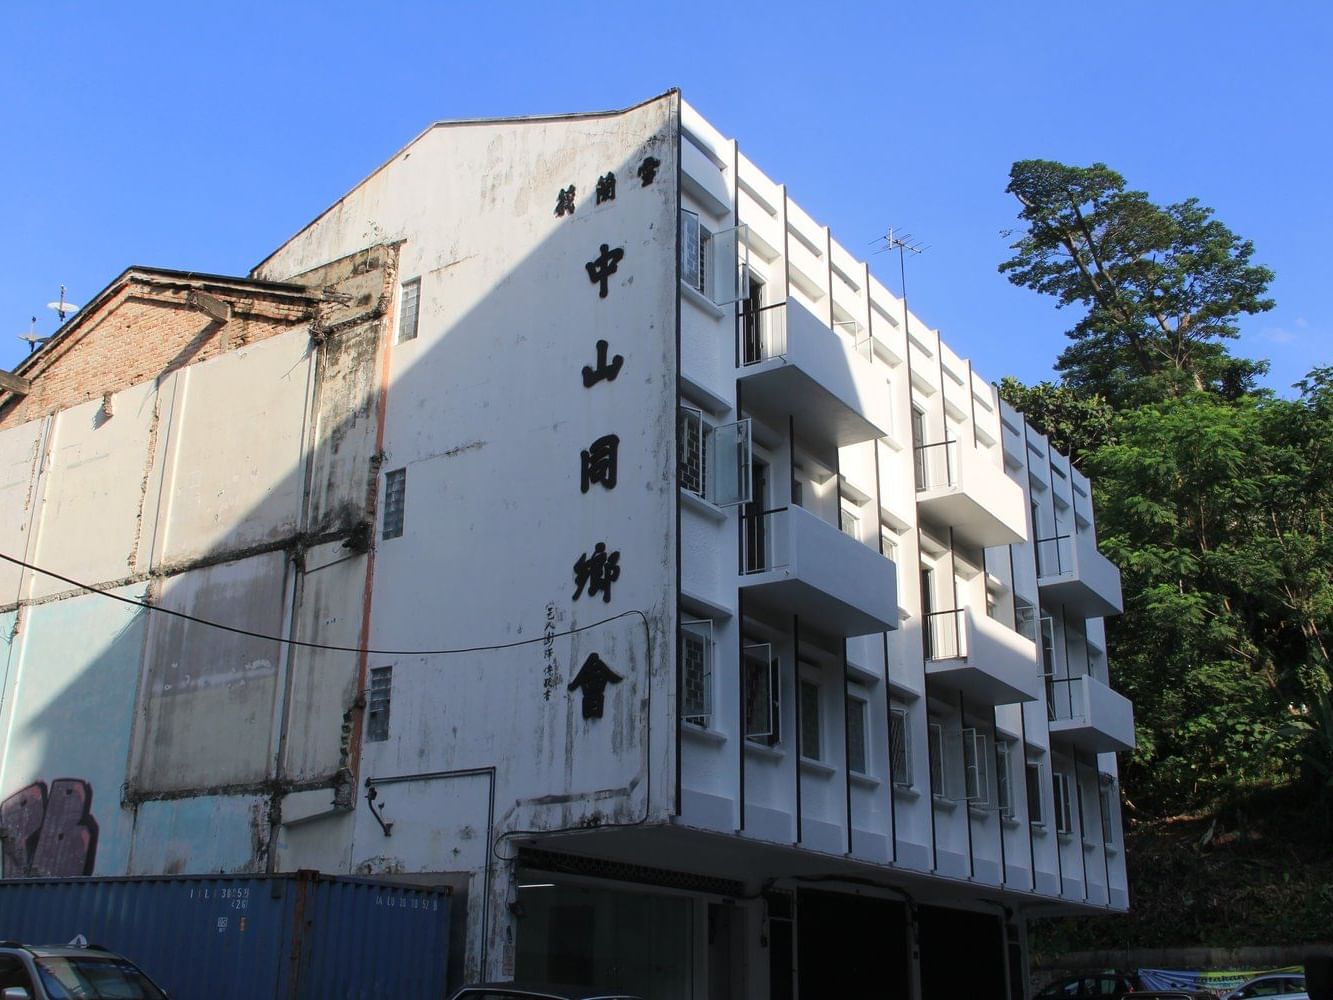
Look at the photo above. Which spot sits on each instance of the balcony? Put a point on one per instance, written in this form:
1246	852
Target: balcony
793	366
1070	571
977	656
1087	713
793	562
956	487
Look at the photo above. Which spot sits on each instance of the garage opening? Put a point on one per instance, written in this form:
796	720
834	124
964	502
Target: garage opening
962	953
852	946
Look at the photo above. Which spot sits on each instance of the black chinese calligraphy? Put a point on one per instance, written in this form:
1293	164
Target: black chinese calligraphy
592	679
648	169
597	572
598	463
604	370
564	201
604	266
606	188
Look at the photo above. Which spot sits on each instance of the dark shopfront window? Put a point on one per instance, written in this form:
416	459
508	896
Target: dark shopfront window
634	941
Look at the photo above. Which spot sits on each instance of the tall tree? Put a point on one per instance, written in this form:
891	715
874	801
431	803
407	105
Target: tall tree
1163	286
1074	423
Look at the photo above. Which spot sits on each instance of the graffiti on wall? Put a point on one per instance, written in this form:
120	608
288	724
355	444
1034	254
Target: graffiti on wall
49	831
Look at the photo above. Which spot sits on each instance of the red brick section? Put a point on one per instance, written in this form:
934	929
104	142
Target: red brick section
144	329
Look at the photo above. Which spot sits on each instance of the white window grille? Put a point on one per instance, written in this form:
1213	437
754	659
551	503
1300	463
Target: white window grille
856	735
1004	790
377	704
976	767
1035	809
409	309
811	734
851	524
762	694
693	456
1064	803
900	747
717	265
715	461
696	668
395	502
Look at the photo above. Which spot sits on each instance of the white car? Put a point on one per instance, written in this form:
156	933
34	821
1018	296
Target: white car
1272	986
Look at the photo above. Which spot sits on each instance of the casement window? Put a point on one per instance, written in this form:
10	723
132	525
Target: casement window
715	264
696	672
409	308
935	746
856	734
714	460
1107	792
395	502
811	728
976	767
1004	789
1064	803
377	704
762	694
851	523
1035	809
1048	645
888	543
900	747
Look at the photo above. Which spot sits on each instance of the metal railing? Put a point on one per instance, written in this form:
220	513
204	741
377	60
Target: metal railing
936	465
946	635
1025	620
763	333
764	540
1055	555
1065	698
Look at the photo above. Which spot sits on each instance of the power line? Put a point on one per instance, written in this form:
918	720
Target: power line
544	637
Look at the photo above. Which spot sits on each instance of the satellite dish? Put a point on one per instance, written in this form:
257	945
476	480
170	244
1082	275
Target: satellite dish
31	337
62	307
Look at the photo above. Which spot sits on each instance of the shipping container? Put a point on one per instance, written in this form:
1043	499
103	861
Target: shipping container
244	937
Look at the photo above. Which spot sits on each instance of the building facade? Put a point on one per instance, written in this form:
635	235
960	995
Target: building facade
607	541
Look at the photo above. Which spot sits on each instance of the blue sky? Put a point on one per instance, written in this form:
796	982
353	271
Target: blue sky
199	136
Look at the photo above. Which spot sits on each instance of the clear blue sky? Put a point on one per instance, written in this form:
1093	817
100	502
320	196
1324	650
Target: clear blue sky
199	136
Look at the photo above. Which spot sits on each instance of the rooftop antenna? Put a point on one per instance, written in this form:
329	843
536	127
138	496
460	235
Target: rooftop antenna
31	337
62	307
904	243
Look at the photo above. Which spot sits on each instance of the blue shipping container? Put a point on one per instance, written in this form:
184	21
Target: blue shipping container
246	937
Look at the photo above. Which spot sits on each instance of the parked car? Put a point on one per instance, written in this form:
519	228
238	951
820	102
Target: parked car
1103	985
1272	986
61	972
530	991
1176	995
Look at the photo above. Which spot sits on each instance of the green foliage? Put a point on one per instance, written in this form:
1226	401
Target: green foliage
1162	285
1074	423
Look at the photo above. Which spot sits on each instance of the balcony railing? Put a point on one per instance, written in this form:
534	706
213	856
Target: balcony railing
1055	555
764	541
763	333
936	465
1063	702
946	635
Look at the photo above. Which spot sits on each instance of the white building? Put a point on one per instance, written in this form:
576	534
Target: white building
709	597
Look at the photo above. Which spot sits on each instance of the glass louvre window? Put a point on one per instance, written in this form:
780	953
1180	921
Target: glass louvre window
810	733
856	735
1064	804
395	502
693	457
936	749
1035	816
762	705
976	774
408	310
696	668
900	747
1004	794
377	705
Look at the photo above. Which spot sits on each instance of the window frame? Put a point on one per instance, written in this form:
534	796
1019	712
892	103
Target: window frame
377	718
859	706
1036	802
394	519
1004	778
976	770
903	724
808	687
773	682
694	627
935	755
401	335
1063	794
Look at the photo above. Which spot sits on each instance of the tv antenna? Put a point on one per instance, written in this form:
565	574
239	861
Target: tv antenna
31	337
904	243
62	307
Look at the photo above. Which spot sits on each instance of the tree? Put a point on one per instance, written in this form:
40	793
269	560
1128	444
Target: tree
1163	286
1075	424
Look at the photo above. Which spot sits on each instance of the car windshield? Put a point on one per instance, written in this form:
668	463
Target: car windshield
100	977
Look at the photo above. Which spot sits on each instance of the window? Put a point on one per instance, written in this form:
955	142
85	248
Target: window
900	747
976	769
1004	793
811	737
762	706
856	735
717	265
1064	803
1035	816
1108	806
395	502
696	257
936	748
888	543
1048	646
409	307
851	524
377	711
715	462
696	670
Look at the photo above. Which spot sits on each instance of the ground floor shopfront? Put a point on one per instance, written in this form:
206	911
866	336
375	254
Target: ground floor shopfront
664	935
